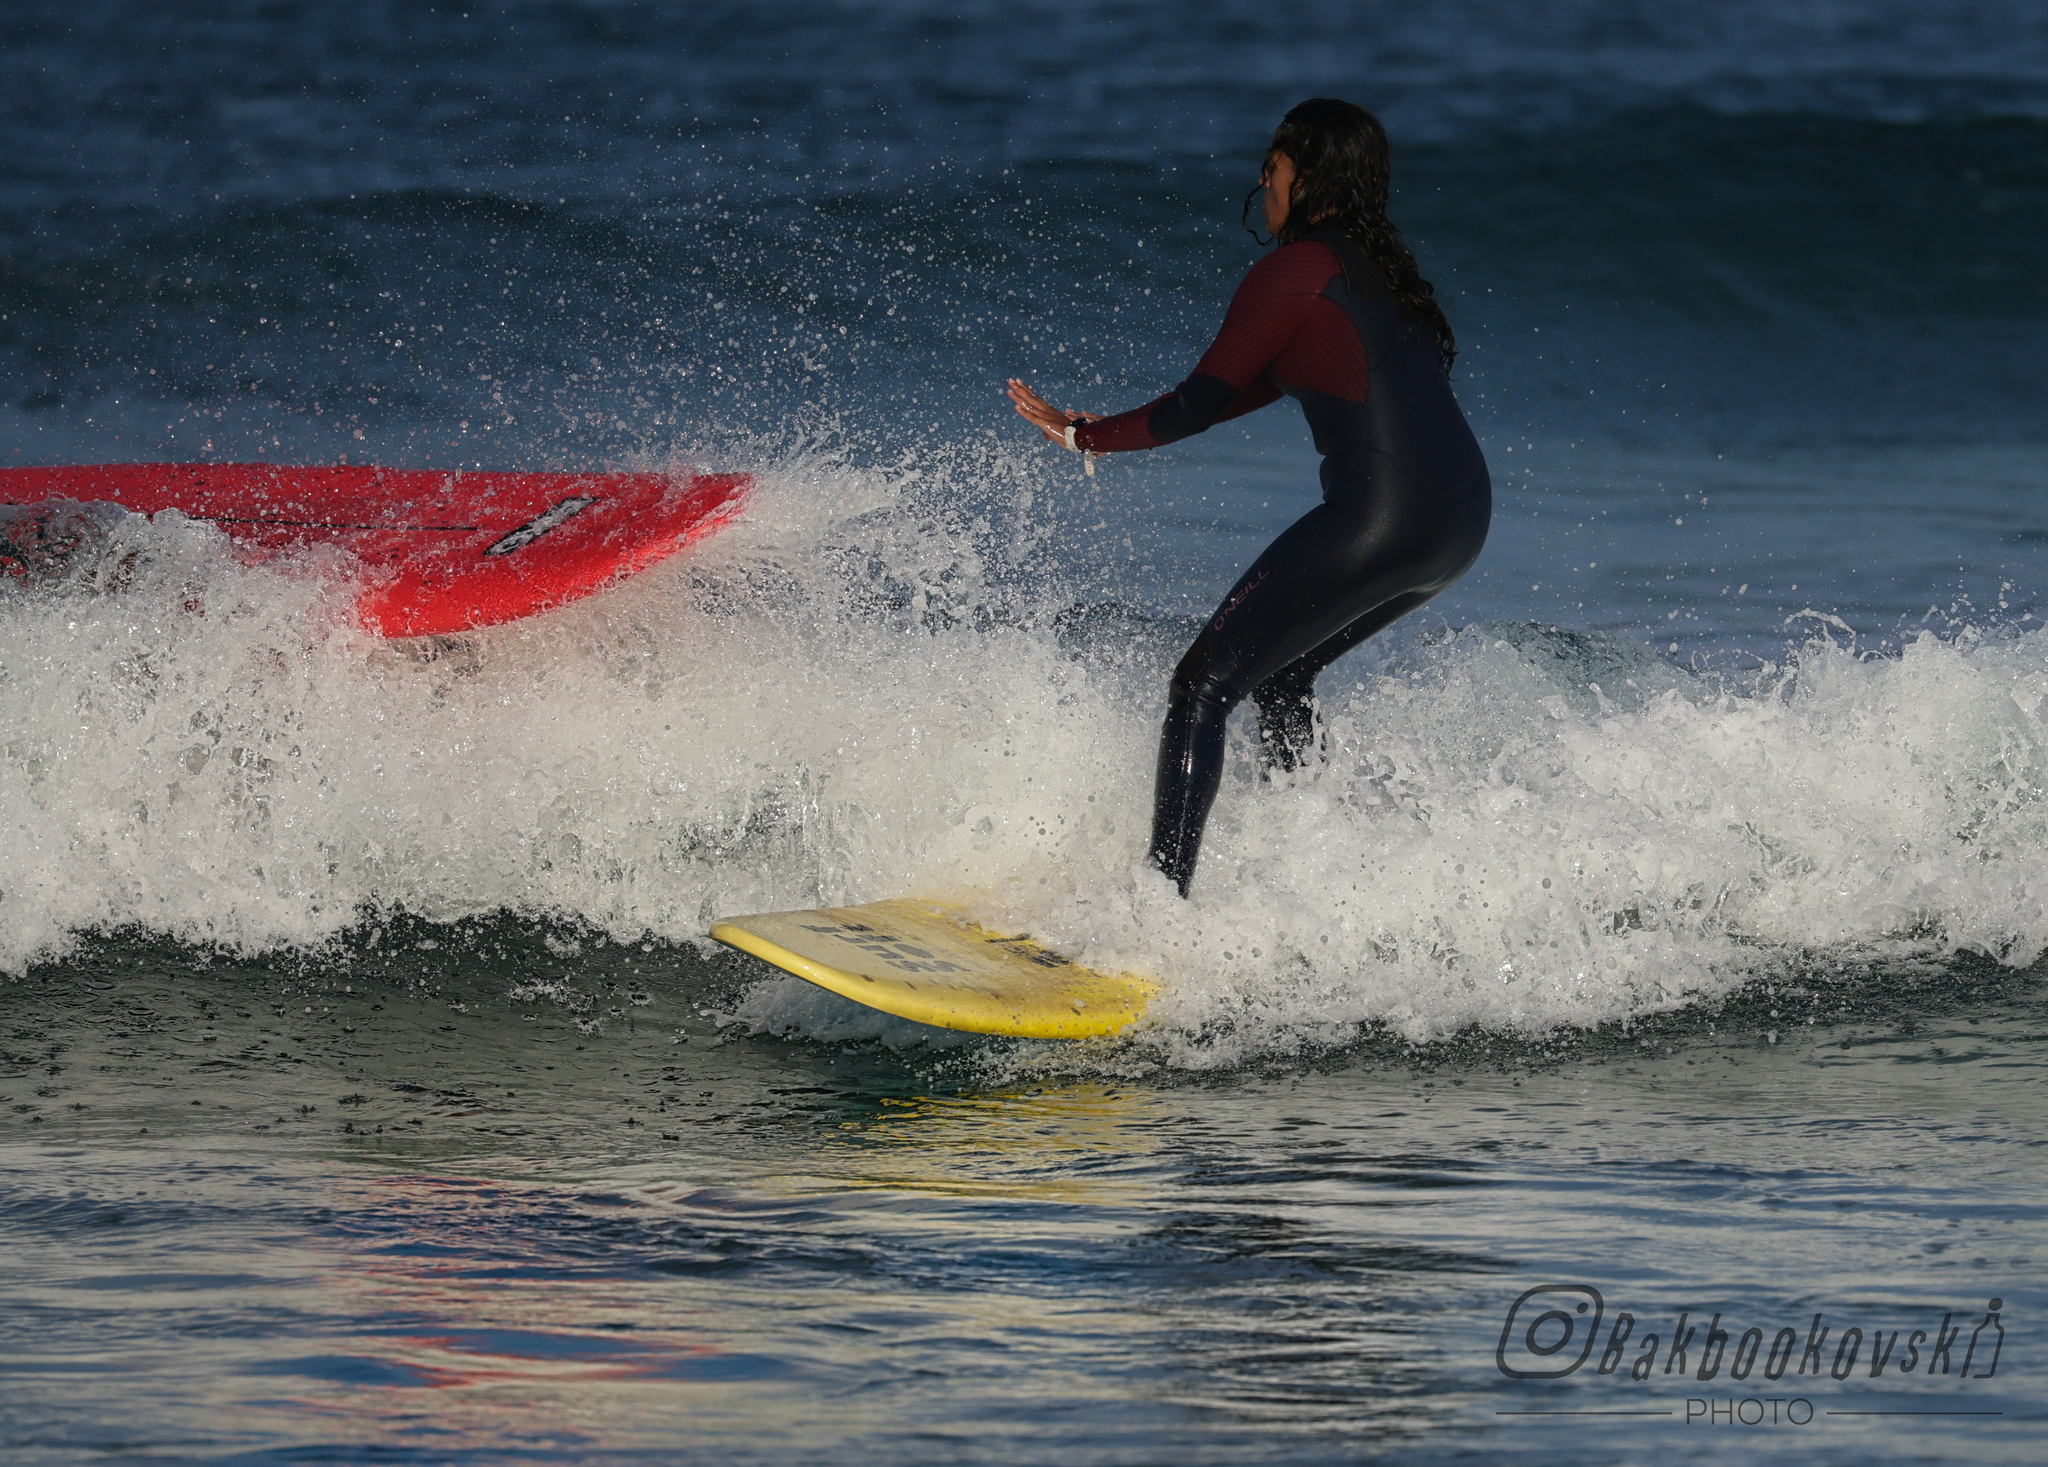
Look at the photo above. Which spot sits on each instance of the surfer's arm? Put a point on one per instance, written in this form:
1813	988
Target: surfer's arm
1187	410
1234	376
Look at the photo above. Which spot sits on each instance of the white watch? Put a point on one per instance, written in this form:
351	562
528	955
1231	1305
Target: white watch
1087	458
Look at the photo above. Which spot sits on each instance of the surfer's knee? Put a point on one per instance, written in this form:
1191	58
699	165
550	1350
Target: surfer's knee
1197	680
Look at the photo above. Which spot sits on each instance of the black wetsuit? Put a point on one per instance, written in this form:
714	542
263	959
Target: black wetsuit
1406	503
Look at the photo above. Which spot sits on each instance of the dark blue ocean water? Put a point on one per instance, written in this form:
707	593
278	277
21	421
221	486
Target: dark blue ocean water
1666	921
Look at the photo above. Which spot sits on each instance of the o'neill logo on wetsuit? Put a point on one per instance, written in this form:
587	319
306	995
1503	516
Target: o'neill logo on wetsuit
1236	601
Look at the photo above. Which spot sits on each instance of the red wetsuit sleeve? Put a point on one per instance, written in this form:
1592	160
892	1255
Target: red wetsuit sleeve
1281	296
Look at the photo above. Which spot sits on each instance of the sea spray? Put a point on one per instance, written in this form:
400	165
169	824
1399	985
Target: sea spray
865	688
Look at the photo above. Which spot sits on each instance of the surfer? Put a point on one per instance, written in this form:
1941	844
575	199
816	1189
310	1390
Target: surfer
1340	319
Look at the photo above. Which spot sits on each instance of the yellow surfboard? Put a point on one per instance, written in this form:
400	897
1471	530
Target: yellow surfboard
920	960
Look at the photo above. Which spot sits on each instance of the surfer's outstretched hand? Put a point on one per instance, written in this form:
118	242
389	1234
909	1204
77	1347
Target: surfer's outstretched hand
1050	420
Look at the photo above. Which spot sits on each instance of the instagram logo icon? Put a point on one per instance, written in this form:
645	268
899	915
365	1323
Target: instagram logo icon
1549	1331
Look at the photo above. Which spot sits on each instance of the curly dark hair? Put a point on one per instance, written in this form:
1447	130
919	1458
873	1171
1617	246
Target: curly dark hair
1340	155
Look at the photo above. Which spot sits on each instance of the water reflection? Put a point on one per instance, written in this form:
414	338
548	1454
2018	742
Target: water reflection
484	1240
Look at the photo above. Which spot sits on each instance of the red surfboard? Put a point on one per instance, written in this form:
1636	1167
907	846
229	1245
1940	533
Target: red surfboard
443	551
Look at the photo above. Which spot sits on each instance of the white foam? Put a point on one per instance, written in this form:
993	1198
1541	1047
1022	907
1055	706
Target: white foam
858	692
